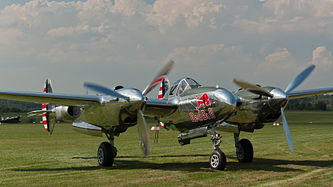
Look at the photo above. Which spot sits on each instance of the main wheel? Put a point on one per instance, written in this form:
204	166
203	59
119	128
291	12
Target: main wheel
217	160
105	154
245	153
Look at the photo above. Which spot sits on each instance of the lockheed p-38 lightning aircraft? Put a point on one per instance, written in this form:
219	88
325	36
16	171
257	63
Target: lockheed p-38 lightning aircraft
186	106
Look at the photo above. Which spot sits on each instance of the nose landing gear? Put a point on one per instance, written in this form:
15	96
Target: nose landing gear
217	159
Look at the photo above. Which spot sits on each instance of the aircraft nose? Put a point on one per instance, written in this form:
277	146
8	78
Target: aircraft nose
227	101
279	99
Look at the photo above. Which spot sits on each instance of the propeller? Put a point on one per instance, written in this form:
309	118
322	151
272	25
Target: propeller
252	88
159	77
104	90
141	122
291	86
143	133
299	79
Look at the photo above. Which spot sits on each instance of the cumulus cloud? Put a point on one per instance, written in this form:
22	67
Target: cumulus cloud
222	37
322	58
278	68
194	12
279	60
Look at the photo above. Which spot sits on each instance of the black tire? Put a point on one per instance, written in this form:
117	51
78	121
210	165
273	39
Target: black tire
245	153
217	160
105	154
115	151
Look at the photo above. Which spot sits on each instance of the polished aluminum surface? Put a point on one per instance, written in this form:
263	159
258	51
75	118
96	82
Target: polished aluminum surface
104	90
51	98
86	128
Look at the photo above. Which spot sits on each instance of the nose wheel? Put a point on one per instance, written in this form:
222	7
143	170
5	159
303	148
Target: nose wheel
217	159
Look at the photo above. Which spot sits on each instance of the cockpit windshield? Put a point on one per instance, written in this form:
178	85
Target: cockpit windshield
183	84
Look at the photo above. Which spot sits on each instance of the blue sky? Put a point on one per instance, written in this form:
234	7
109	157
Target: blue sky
127	41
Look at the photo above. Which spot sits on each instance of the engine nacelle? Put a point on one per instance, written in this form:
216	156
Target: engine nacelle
67	113
186	137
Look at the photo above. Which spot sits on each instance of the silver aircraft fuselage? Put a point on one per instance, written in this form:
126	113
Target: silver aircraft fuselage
197	107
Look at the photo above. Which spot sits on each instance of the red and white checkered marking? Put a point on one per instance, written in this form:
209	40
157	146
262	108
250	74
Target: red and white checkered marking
160	93
44	118
153	128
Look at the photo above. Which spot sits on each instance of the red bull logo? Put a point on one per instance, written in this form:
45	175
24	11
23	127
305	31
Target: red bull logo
203	101
202	115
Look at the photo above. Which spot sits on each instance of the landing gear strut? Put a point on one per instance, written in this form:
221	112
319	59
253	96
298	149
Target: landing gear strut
217	159
244	149
106	151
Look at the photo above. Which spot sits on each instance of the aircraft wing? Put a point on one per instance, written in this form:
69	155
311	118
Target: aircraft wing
159	107
51	98
308	93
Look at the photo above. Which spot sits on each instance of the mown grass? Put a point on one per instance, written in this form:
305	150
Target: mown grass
31	157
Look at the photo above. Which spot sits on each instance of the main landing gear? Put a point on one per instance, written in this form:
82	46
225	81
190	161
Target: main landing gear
244	151
106	151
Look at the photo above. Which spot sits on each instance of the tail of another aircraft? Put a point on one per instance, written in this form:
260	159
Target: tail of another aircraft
45	107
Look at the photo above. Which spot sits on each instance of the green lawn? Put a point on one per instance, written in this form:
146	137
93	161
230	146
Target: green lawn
31	157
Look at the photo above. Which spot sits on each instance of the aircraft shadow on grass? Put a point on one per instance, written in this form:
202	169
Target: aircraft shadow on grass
264	164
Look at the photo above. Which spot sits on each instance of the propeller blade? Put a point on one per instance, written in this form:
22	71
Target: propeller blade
104	90
252	88
159	77
299	79
52	122
143	133
286	131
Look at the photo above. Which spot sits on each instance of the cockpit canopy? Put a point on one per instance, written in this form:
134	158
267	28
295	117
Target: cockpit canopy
182	85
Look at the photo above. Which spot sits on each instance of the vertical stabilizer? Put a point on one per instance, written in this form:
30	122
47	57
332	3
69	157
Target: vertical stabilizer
165	84
46	116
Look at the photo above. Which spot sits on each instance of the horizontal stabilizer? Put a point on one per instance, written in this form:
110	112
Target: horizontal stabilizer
39	112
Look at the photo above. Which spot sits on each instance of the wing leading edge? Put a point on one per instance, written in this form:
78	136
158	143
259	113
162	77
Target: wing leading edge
308	93
51	98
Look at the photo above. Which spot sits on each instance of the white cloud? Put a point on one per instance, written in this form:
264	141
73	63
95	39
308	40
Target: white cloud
166	14
221	39
278	68
322	58
306	16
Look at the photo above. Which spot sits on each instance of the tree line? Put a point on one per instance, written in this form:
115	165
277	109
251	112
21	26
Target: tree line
322	102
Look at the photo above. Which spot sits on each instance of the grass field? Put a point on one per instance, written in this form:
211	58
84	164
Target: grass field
31	157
